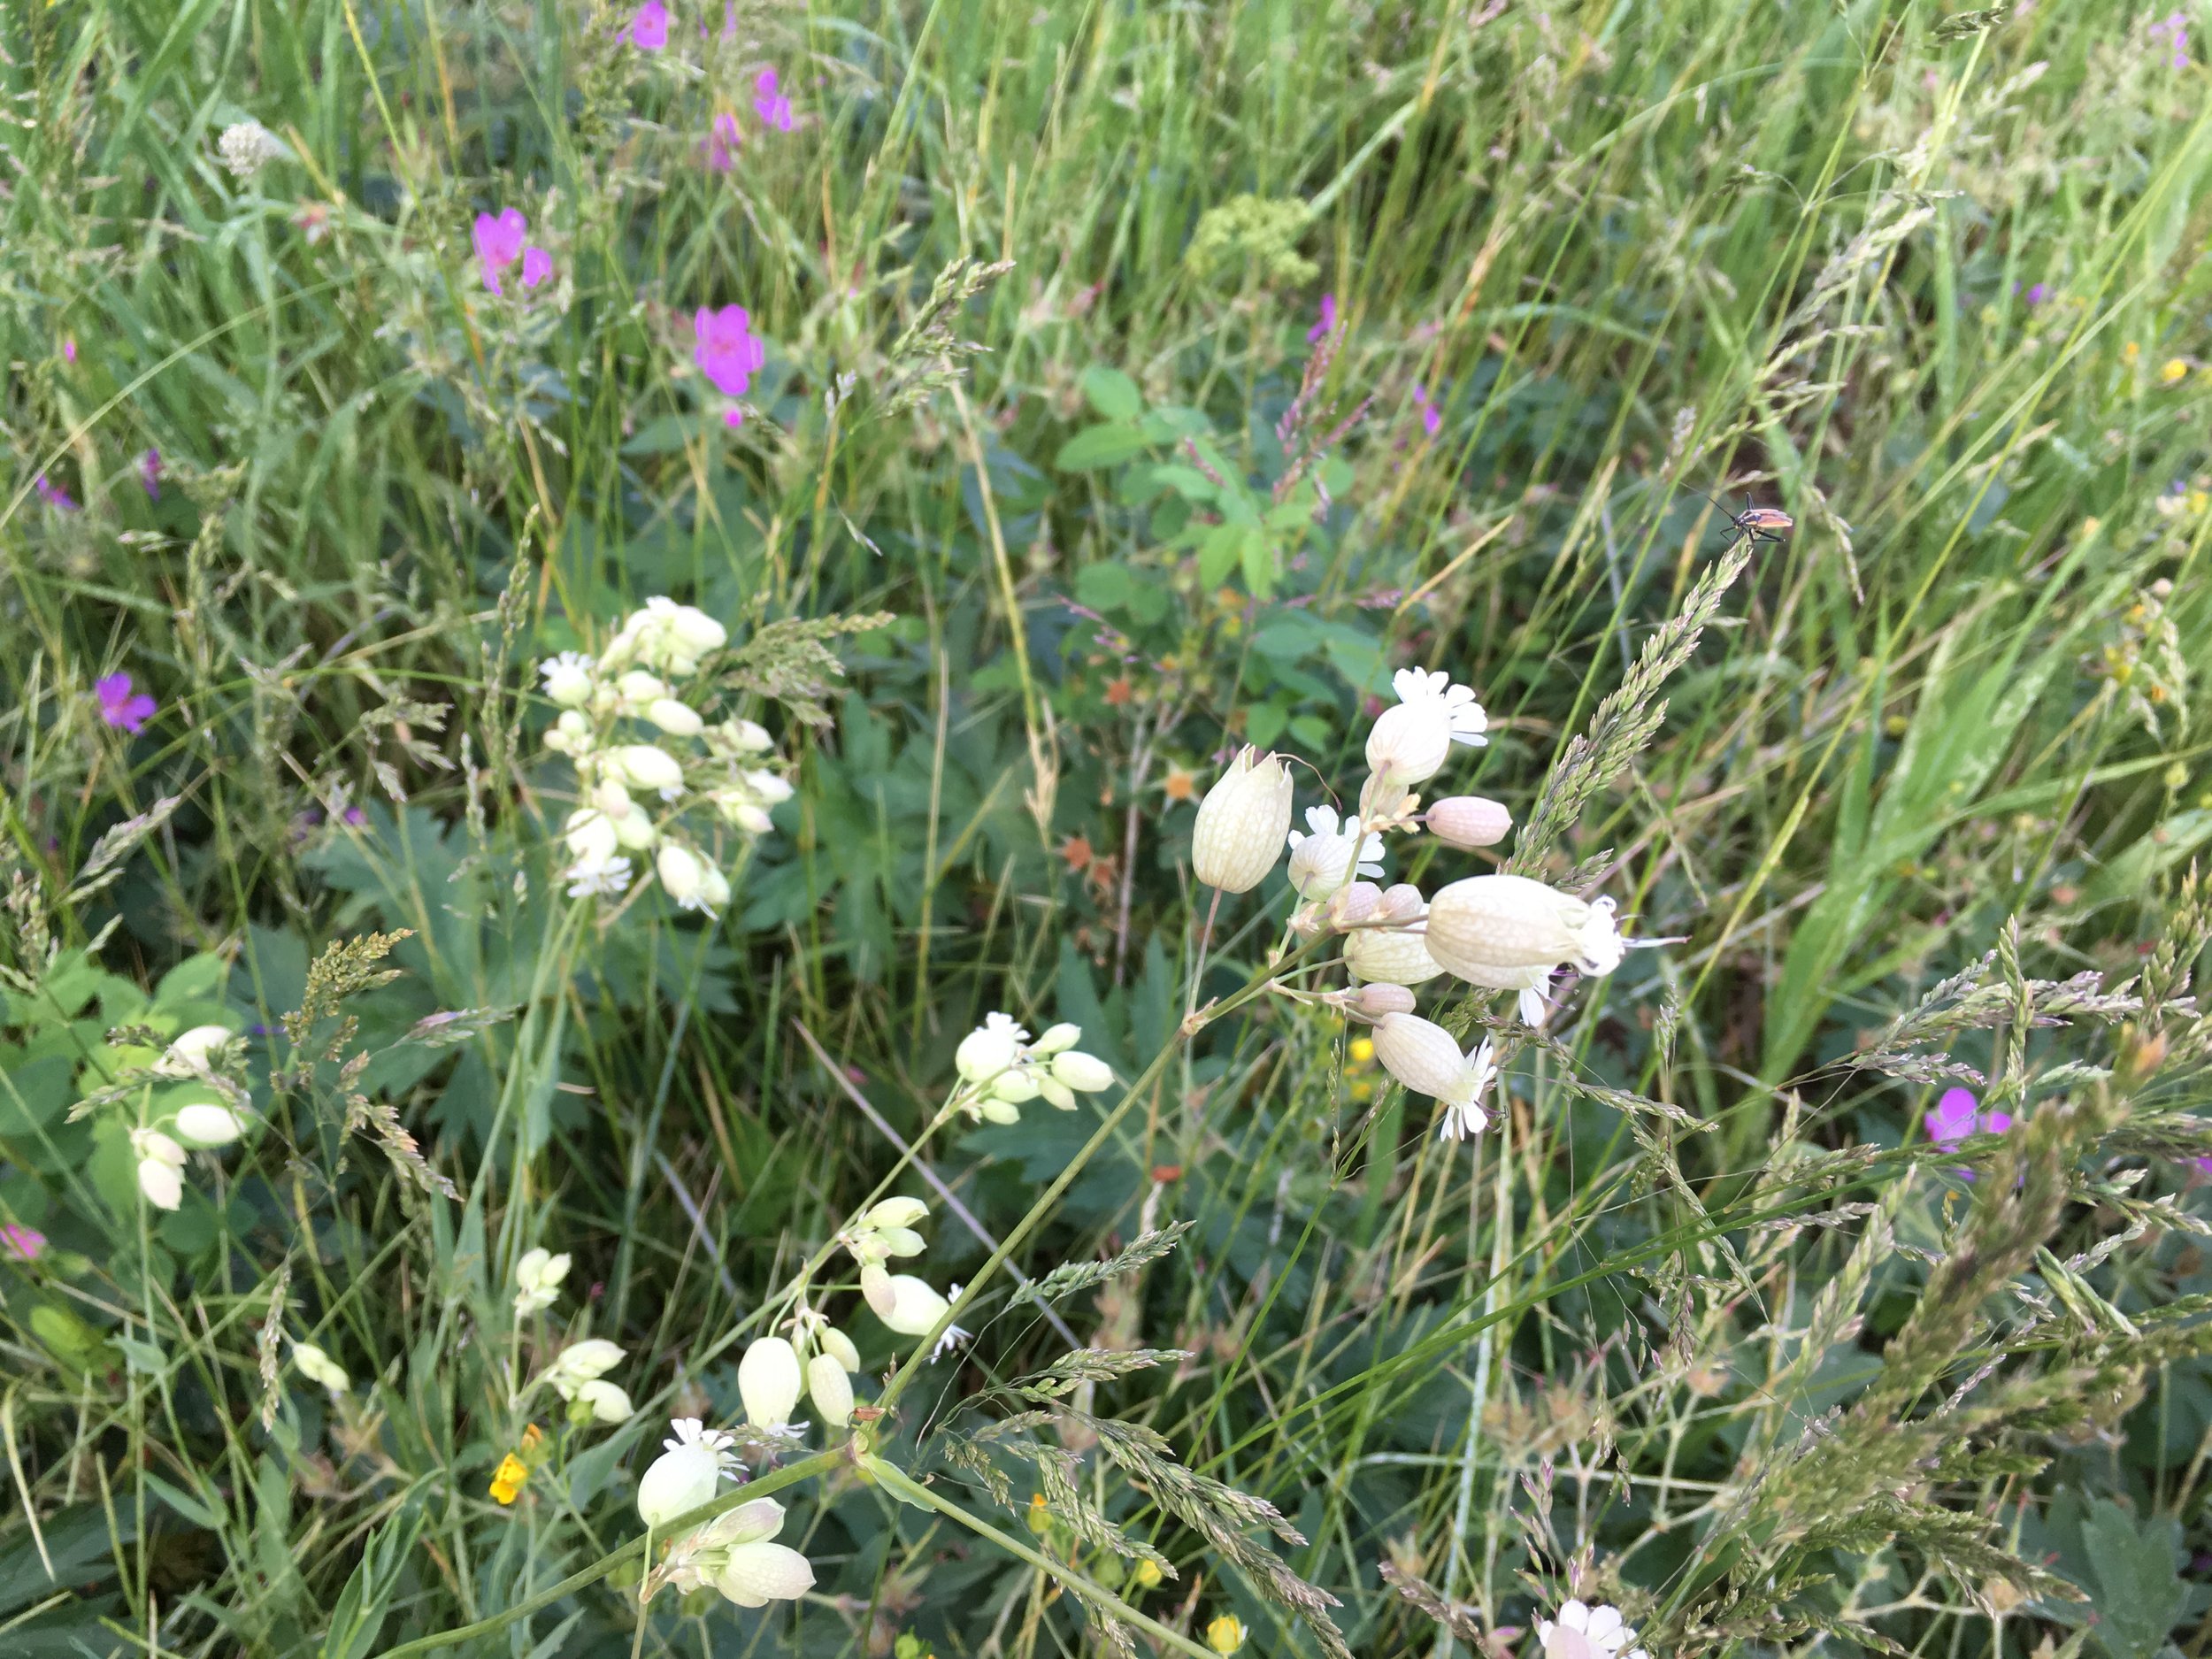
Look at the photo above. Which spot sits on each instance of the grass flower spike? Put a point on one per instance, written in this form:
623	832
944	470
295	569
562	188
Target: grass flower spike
1582	1631
1242	823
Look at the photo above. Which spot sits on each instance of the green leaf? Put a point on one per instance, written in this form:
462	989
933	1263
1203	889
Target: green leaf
1217	554
2138	1580
196	1510
1112	394
1257	555
1096	447
1105	585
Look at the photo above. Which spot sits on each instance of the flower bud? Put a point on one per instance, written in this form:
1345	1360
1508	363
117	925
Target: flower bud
590	835
697	632
768	1381
839	1347
1083	1072
1242	823
318	1367
760	1572
988	1049
678	719
683	875
643	767
162	1184
637	687
1014	1088
831	1391
538	1277
207	1125
896	1212
714	890
875	1288
1056	1093
1375	1000
1489	923
611	798
1354	903
1058	1039
1391	955
748	737
193	1052
1469	820
912	1308
580	1361
899	1240
998	1111
608	1403
635	832
568	678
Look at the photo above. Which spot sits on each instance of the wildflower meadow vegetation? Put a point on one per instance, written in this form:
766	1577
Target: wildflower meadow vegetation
977	828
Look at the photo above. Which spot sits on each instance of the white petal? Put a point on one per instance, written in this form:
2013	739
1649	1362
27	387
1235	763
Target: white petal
1605	1620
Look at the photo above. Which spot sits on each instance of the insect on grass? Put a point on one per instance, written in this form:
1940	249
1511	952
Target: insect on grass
1757	524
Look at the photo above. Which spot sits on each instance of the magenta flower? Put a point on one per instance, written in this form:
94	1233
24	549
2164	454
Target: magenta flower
728	352
69	349
2036	294
770	103
53	495
2174	30
149	474
1955	1117
724	139
25	1244
537	265
119	707
648	26
1326	326
2204	1165
1431	416
499	245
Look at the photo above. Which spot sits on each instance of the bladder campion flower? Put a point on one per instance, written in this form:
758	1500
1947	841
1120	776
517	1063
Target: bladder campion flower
1467	821
1582	1631
208	1124
1394	954
1423	1056
160	1167
687	1473
1242	823
1411	741
538	1277
1323	861
732	1553
768	1381
1485	924
122	708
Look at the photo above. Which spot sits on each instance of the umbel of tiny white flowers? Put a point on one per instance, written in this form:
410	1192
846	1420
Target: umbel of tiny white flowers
1495	924
1001	1068
732	1552
687	1473
1323	861
538	1277
1582	1631
1422	1055
1242	823
1410	743
318	1367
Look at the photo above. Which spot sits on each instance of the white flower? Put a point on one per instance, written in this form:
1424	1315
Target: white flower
683	875
1242	823
686	1474
246	147
1421	1054
1469	820
568	678
1058	1039
745	802
954	1335
1085	1073
666	636
318	1367
538	1277
905	1303
768	1382
643	766
189	1054
592	878
830	1389
1530	983
207	1125
896	1212
1323	861
1489	924
1375	1000
1466	1116
732	1552
635	688
739	737
609	1403
1411	742
989	1050
160	1167
589	835
580	1363
1582	1631
1394	956
678	719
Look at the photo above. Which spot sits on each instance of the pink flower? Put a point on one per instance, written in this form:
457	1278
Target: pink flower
26	1244
149	474
1955	1118
499	245
537	265
723	140
770	103
53	495
1326	326
1431	416
119	707
728	352
648	26
69	349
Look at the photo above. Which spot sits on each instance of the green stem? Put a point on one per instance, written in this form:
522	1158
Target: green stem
896	1480
820	1463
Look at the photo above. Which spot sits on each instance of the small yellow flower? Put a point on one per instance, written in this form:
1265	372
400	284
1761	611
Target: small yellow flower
1146	1575
2199	500
1040	1514
2172	370
507	1481
1363	1050
1225	1635
2131	351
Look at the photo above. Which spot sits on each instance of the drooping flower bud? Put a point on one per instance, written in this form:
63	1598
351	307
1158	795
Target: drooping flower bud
1375	1000
319	1367
768	1381
910	1306
1469	821
839	1347
1411	741
896	1212
208	1124
590	835
643	766
193	1052
685	1475
160	1167
1058	1039
1421	1054
1393	956
683	875
678	719
582	1361
538	1277
1085	1073
1242	823
1355	903
1486	923
830	1389
757	1573
608	1403
638	688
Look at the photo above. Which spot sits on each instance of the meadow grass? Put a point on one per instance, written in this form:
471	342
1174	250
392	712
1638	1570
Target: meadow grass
1706	1326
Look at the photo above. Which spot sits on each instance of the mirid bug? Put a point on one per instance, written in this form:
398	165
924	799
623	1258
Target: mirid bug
1758	523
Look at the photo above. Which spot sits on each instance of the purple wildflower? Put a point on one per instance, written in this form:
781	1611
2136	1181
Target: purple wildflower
1326	326
2036	294
25	1244
69	349
1431	416
2204	1165
499	245
724	138
537	265
648	26
768	103
149	474
728	352
2174	29
53	495
1956	1117
119	707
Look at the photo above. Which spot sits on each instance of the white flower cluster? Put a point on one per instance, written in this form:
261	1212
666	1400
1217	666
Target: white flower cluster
1583	1632
1001	1068
209	1113
634	795
1500	932
578	1374
538	1277
907	1304
246	147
